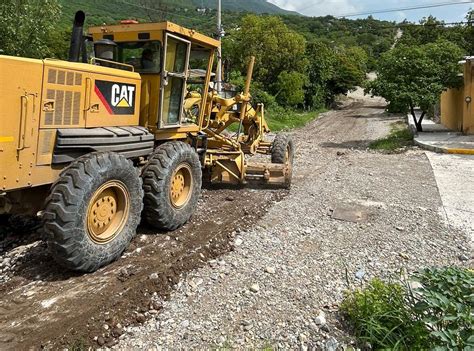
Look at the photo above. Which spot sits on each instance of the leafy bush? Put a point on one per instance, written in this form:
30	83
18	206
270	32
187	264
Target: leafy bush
437	315
447	306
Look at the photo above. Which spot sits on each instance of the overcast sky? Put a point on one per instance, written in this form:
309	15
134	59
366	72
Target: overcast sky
453	13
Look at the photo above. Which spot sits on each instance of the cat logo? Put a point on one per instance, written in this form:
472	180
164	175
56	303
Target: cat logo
118	98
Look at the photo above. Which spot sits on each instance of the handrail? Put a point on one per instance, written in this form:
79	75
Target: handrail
94	61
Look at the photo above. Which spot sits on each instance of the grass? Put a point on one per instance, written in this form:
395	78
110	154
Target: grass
400	136
279	119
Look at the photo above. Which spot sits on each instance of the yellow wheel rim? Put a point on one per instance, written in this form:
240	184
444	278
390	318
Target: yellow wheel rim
181	185
108	211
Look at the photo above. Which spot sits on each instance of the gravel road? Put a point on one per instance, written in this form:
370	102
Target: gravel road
351	215
254	268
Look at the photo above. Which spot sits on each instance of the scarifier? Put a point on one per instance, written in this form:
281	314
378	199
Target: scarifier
129	126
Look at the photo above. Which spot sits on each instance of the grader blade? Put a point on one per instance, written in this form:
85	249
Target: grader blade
272	174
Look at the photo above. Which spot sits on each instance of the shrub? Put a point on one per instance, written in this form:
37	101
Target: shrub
447	306
380	317
437	315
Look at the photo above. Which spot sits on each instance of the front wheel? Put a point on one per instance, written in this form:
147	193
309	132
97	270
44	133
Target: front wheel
283	152
93	211
172	183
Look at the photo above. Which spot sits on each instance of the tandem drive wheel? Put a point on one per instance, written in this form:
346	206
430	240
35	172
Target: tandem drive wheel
93	211
172	183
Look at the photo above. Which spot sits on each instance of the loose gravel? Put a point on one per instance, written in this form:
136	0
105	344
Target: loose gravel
281	285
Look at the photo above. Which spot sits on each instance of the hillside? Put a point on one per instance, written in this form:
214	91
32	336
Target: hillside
257	6
184	12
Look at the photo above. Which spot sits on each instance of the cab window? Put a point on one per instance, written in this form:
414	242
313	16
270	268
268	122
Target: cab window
145	57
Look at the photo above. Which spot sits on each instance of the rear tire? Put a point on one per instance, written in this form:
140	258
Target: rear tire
172	182
93	211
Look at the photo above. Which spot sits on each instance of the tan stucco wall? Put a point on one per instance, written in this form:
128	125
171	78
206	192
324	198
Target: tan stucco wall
452	103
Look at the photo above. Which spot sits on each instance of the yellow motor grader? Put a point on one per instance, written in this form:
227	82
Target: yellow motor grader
127	127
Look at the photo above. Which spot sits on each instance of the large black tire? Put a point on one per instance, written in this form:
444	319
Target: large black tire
69	224
160	209
283	152
282	149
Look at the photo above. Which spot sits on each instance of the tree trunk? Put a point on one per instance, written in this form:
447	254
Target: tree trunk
419	127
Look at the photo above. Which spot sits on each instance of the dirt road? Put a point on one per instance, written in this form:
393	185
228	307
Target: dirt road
208	284
41	305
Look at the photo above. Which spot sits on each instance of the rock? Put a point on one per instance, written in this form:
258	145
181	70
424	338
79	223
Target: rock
117	332
229	198
100	341
248	327
360	274
270	270
140	318
400	229
194	283
325	328
238	242
320	319
414	285
404	256
463	258
153	276
255	288
302	338
106	326
331	344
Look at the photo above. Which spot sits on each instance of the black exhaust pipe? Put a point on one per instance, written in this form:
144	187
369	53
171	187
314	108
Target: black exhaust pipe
77	37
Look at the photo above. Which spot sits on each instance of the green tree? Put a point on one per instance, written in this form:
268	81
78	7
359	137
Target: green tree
27	26
276	48
321	70
350	72
415	76
290	88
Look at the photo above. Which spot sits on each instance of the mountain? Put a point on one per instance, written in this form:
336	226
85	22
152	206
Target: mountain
257	6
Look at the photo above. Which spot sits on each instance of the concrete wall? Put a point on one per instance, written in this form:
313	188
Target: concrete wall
452	102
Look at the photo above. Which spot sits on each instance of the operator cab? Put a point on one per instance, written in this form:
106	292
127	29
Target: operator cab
174	63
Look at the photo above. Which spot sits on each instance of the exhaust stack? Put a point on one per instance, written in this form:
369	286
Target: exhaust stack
77	37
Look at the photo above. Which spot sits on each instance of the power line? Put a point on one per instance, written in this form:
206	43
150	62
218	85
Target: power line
408	8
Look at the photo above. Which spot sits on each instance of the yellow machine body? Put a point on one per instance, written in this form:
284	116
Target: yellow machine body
38	97
50	105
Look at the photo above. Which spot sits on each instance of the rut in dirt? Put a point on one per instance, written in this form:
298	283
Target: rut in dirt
44	306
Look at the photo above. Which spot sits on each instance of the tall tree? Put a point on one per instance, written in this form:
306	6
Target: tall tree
415	76
275	47
27	26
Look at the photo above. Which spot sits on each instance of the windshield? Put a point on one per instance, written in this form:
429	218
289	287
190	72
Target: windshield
145	57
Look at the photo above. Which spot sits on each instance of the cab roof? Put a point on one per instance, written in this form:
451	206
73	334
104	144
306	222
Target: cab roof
126	32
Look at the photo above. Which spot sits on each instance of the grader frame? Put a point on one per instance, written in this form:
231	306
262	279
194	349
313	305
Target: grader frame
108	137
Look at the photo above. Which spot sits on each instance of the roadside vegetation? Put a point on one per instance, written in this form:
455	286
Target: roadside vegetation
279	119
400	137
432	309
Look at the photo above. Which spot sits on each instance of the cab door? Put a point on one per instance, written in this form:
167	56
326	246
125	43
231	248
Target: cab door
173	78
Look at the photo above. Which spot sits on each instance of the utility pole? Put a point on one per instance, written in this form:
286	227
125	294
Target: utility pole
219	50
